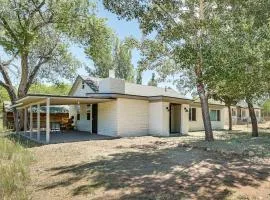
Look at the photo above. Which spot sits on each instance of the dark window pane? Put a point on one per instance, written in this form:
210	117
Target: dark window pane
218	115
193	114
88	116
190	114
78	116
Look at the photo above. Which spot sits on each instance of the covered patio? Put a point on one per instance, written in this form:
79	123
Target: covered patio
47	134
65	137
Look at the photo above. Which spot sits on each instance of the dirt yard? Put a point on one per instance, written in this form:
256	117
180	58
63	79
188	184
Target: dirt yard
145	168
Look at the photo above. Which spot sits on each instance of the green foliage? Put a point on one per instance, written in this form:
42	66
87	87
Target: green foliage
3	95
57	89
122	61
266	108
36	36
139	76
14	170
153	81
116	56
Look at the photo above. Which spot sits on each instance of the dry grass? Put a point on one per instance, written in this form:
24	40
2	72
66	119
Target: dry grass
14	169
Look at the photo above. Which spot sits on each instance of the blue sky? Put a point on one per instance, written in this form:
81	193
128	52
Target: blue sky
123	29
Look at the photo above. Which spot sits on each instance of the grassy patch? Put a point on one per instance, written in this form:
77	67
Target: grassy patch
14	172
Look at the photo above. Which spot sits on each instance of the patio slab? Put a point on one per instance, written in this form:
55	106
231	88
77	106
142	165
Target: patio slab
66	137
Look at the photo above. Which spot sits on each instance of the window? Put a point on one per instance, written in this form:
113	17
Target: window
192	114
78	116
243	113
215	115
88	114
83	85
233	112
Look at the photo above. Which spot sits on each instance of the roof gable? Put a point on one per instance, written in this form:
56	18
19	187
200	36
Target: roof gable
91	82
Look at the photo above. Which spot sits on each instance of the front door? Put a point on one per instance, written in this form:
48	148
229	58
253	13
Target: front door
95	118
175	118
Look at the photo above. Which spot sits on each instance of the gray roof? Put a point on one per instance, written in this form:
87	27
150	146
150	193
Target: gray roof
136	89
92	82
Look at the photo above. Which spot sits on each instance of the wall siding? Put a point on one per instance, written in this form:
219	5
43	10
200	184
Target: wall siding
159	119
83	124
132	117
198	124
107	118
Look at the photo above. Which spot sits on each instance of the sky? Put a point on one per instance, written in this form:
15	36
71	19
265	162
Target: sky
123	29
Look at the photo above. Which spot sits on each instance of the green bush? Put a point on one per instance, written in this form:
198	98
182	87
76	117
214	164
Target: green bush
14	170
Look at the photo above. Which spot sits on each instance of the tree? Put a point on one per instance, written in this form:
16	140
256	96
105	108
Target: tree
117	56
139	75
183	33
58	88
122	61
244	46
153	81
35	36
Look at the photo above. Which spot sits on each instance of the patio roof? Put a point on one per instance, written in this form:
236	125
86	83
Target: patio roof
33	99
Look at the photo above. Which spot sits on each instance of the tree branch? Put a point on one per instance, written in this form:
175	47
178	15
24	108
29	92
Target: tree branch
4	85
44	59
7	27
37	9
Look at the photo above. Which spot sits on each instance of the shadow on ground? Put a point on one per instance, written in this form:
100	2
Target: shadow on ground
171	173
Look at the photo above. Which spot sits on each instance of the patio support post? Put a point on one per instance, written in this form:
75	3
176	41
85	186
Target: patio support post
25	120
31	121
48	120
38	122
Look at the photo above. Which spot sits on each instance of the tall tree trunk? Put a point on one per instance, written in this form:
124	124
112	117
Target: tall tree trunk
205	113
24	76
200	85
22	90
253	118
230	117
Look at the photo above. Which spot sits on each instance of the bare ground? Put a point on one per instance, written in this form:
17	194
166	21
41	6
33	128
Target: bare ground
144	168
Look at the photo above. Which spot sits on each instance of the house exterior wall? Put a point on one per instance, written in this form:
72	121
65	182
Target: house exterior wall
159	115
234	117
83	124
132	117
107	118
198	124
241	115
184	119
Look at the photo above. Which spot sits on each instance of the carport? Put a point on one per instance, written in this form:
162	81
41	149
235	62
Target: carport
39	100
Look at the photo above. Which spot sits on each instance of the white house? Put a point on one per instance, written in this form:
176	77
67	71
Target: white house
113	107
240	113
136	110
